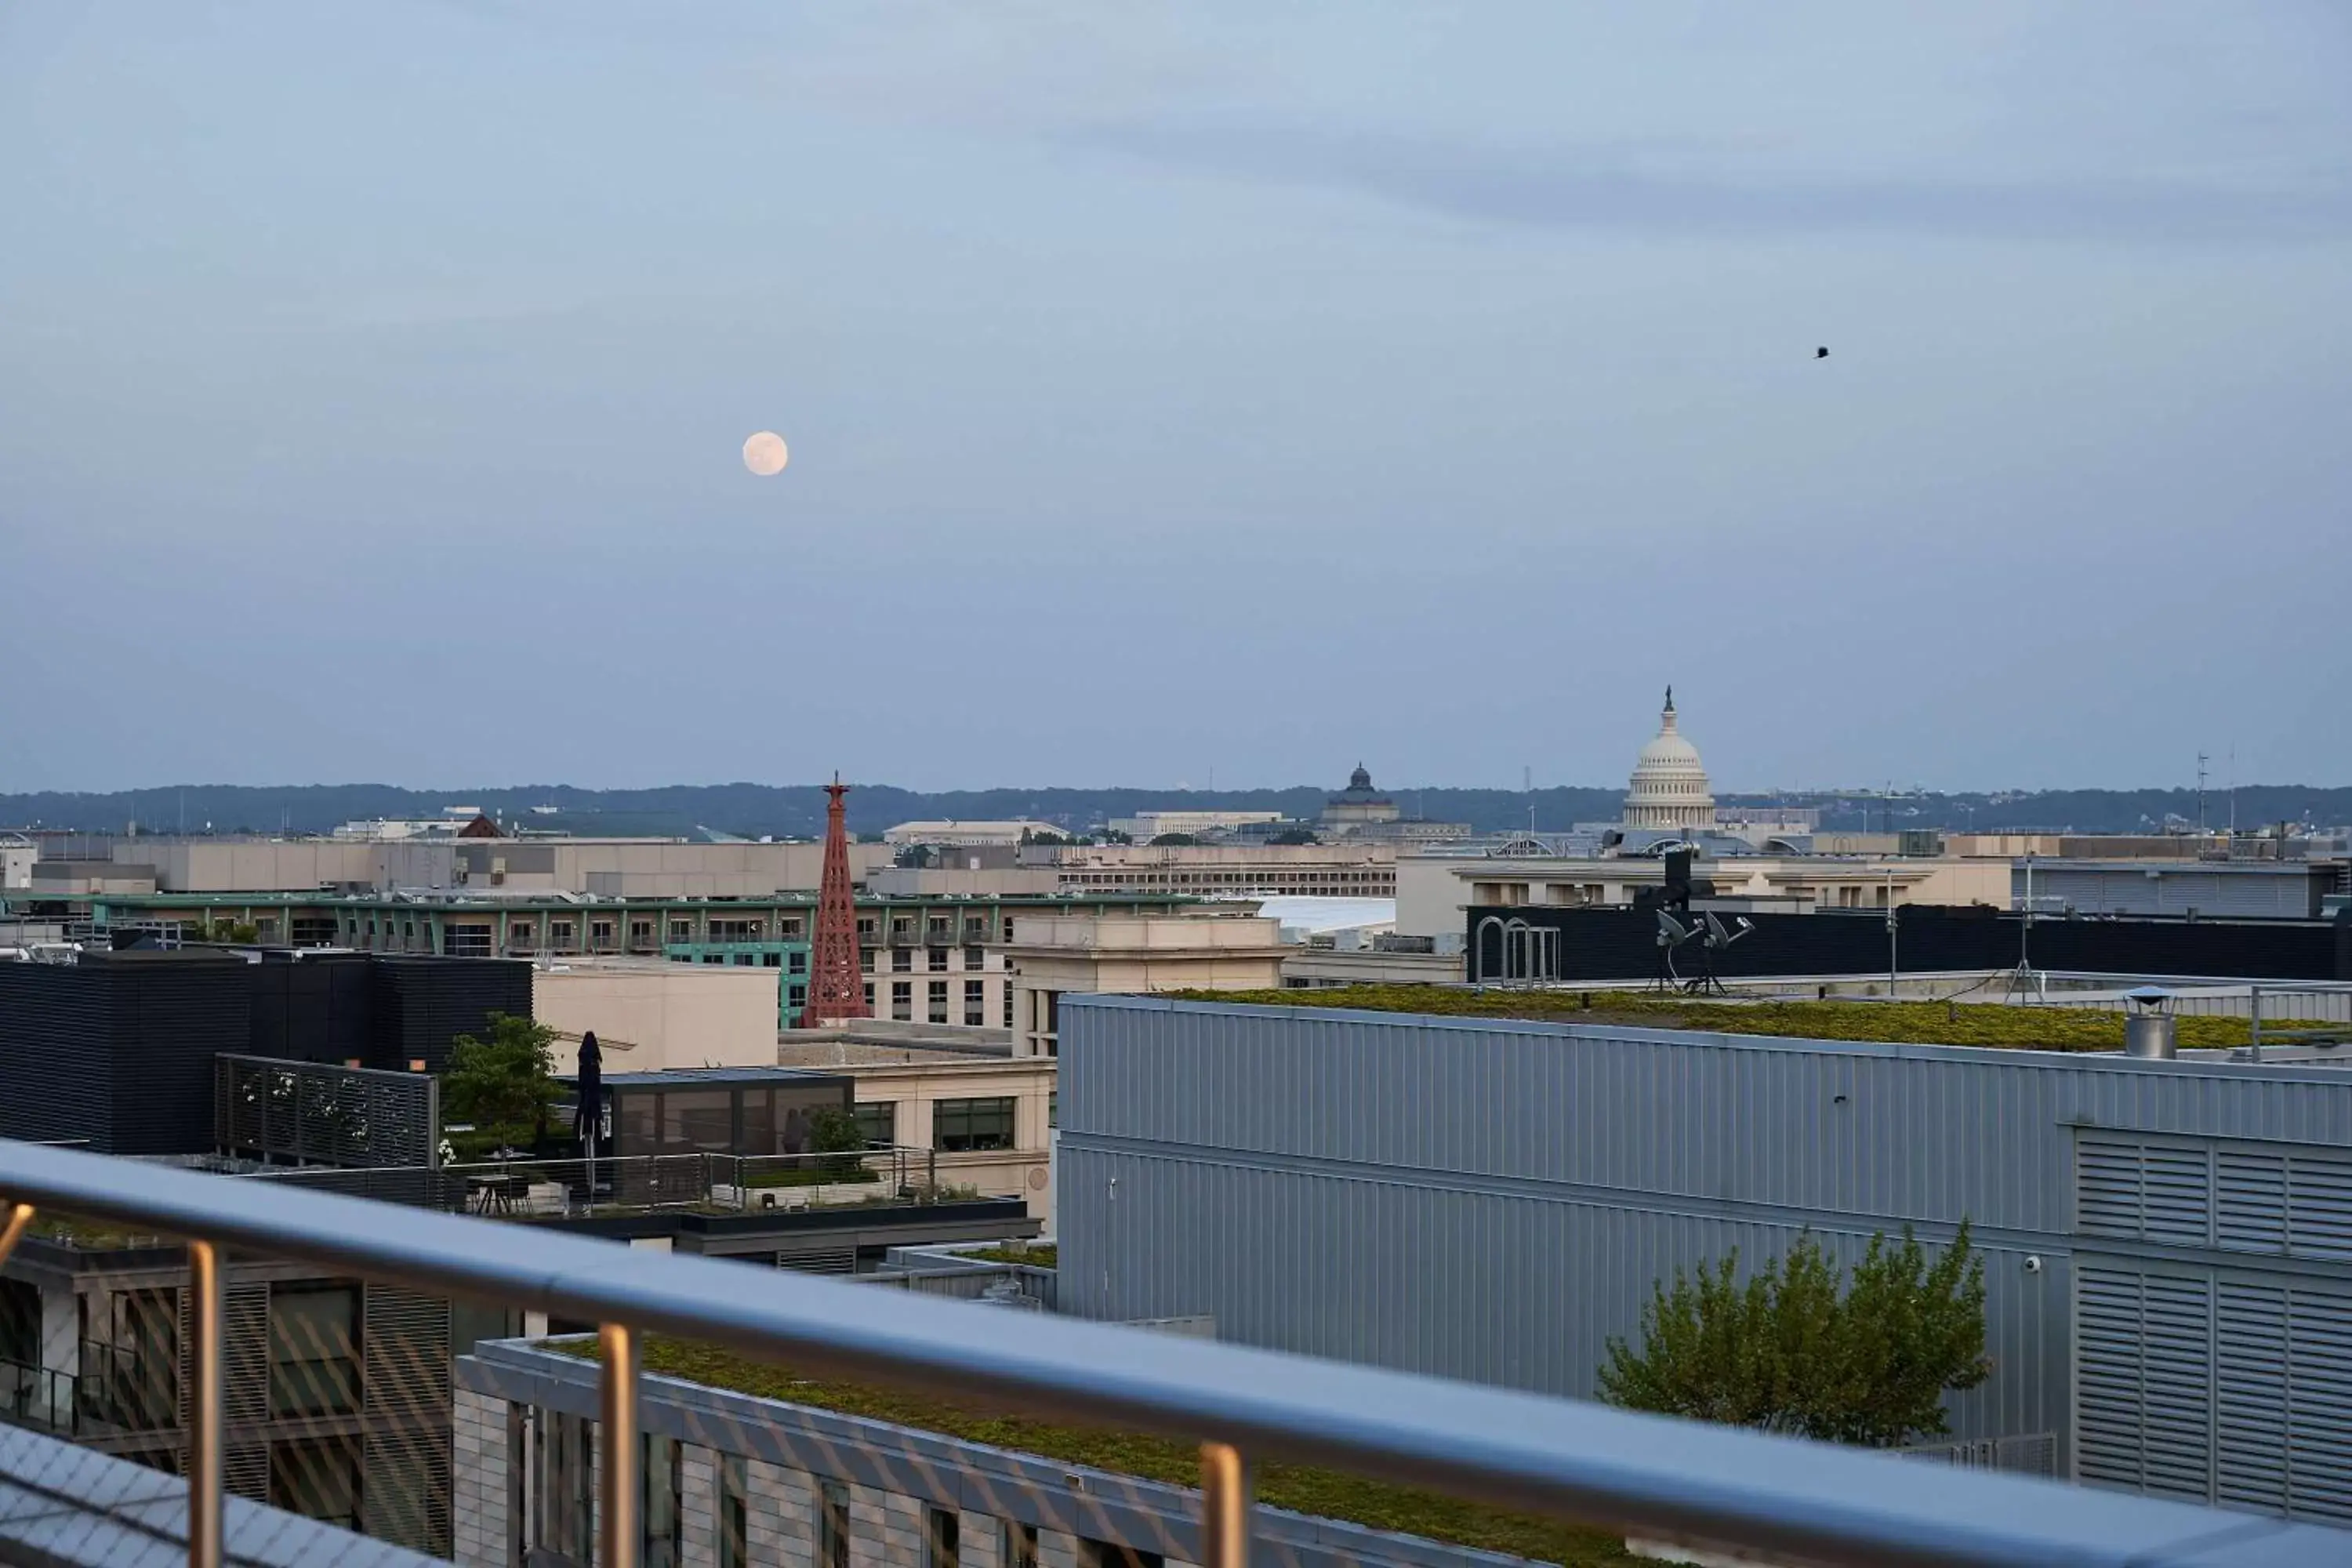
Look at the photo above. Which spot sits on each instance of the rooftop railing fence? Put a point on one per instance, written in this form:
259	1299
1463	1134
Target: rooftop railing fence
295	1352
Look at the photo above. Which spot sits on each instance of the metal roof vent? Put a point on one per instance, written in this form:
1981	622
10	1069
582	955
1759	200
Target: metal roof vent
2150	1028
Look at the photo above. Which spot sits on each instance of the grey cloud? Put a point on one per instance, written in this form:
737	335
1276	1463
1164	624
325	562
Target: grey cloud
1584	187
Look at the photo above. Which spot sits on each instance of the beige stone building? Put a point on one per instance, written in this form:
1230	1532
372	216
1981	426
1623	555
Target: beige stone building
649	1016
1346	869
986	1119
1057	955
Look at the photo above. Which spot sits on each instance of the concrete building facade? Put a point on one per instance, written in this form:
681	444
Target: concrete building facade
1351	868
1055	958
2167	1247
736	1479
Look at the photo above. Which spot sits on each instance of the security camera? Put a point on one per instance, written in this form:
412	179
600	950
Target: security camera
2033	1264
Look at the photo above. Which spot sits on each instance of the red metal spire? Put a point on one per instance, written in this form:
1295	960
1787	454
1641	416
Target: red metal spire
837	989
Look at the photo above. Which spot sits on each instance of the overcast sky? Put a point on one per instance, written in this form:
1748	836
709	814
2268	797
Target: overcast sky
1174	388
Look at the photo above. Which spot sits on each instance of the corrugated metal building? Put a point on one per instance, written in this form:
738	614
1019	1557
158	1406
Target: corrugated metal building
2168	1244
2287	890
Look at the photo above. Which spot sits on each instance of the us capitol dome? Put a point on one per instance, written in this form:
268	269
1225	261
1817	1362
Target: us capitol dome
1669	784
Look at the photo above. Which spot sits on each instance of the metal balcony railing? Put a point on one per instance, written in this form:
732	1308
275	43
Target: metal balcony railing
1666	1479
882	1173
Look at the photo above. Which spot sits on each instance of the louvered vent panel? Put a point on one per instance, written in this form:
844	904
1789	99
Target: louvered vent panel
2176	1201
2106	1188
404	1482
2319	1207
2250	1432
2107	1415
2250	1210
2319	1392
2177	1425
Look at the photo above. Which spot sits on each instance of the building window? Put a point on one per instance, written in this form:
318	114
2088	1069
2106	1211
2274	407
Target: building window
792	927
936	960
599	932
963	1126
770	961
975	1003
937	1000
796	997
869	997
940	1527
1053	1108
879	1120
314	1350
681	931
973	958
1008	928
831	1525
641	934
561	934
796	962
1008	1006
902	928
902	960
734	1521
1112	1555
662	1513
902	999
318	1478
865	959
1019	1546
865	927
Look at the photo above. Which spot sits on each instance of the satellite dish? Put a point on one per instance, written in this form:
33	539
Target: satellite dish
1671	932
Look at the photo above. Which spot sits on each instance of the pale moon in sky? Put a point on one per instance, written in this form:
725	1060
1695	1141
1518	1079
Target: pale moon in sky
764	454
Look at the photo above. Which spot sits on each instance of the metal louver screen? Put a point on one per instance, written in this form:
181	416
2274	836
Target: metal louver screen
404	1485
2221	1391
2251	1193
2235	1199
820	1261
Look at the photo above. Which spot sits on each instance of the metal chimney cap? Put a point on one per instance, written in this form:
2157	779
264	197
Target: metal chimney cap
2148	996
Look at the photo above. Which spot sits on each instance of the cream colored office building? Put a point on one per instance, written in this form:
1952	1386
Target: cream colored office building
1057	954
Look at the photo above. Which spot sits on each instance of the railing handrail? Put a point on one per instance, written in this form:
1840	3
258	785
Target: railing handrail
1660	1478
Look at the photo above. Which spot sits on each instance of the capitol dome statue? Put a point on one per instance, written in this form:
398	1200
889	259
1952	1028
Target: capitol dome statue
1669	785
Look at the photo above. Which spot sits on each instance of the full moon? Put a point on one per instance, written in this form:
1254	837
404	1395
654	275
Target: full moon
764	454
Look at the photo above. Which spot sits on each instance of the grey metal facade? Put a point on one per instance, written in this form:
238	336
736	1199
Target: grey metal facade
1493	1200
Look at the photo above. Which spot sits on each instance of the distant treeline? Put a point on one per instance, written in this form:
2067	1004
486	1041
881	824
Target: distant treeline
798	810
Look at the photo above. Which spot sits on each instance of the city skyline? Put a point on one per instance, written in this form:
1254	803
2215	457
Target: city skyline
1237	391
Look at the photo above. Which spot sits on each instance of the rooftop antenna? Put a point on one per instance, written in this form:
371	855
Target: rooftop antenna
2200	794
1527	787
2234	791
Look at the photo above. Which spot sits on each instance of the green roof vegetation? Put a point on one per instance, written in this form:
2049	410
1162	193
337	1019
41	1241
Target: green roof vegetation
1916	1023
1301	1489
1036	1254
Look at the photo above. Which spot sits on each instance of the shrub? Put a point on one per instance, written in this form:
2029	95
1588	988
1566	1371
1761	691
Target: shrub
1787	1352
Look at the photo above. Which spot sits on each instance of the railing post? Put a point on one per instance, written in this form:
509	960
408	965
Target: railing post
1224	1507
203	1457
20	1219
622	1482
2254	1024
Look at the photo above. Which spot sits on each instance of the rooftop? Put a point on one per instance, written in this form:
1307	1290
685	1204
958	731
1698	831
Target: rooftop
1301	1489
1949	1022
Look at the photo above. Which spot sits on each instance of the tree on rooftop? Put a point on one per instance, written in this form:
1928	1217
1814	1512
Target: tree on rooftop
1788	1352
505	1085
1179	840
